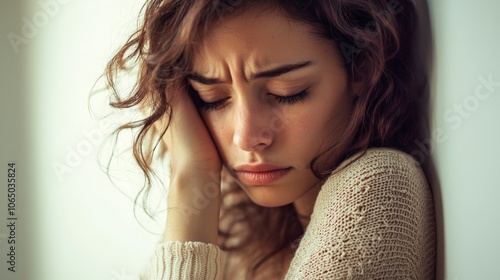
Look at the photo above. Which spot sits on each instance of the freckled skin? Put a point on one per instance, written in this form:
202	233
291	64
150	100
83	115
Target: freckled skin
251	127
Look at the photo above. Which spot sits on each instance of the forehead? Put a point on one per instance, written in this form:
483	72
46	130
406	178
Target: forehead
253	40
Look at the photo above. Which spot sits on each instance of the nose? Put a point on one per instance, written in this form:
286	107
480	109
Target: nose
250	130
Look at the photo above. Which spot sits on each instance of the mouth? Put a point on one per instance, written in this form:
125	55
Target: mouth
261	174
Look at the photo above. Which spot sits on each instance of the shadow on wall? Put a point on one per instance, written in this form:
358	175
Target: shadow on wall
424	62
17	237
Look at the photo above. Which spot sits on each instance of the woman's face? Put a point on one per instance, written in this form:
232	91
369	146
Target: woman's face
272	93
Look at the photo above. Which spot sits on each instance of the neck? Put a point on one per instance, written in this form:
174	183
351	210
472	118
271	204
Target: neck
305	204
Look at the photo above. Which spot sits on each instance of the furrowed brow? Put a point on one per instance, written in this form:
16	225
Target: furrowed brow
280	70
204	80
275	72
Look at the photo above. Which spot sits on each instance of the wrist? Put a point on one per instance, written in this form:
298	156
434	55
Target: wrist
188	183
193	207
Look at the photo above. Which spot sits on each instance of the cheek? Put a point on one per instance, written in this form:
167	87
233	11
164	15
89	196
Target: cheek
322	123
305	133
220	130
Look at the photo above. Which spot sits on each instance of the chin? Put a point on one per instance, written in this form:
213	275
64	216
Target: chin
267	196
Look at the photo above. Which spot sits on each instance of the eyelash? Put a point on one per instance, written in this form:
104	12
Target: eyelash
292	99
285	100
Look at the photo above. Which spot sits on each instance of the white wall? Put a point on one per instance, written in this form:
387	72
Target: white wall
466	114
81	227
76	225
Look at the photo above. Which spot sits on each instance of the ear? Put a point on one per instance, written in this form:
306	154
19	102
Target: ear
358	79
356	88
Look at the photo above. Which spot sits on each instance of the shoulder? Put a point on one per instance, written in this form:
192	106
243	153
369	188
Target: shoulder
375	180
379	166
379	161
373	216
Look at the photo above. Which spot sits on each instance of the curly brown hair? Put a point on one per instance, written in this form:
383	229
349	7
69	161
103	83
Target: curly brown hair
375	40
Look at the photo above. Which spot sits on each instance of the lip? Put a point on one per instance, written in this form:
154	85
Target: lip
260	174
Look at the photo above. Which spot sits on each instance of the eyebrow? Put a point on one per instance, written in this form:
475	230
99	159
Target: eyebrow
275	72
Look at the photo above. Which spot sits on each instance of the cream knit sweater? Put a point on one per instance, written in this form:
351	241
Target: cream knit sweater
372	220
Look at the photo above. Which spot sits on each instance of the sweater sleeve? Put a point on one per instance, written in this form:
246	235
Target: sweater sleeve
373	219
185	260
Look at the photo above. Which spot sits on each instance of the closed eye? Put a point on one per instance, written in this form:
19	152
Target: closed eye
219	104
292	99
212	106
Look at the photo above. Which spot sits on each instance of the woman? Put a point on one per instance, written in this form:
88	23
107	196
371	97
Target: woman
289	127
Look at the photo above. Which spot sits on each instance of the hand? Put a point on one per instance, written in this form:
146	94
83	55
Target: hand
190	145
193	209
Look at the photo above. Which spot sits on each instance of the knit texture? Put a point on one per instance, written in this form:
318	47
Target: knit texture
186	261
373	219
